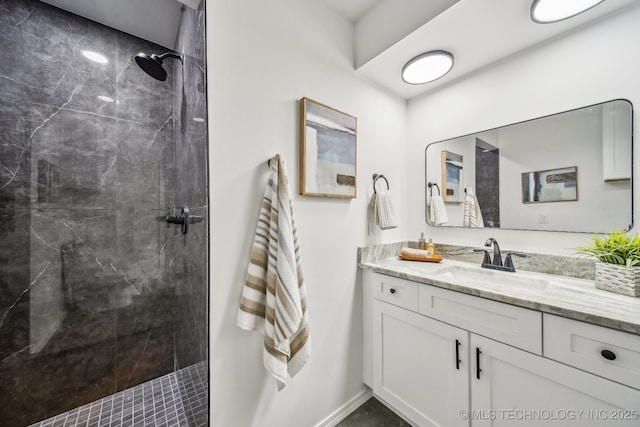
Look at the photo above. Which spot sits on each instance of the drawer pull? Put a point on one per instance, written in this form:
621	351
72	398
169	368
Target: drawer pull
608	354
392	290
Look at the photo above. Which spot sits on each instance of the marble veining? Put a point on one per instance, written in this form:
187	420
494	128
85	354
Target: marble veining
579	268
190	133
97	292
565	296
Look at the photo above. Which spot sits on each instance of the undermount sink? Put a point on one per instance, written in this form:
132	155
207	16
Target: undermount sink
478	275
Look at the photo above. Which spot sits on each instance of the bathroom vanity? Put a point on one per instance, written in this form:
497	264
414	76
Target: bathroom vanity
452	344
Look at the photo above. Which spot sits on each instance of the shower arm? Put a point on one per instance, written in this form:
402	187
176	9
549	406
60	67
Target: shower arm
171	55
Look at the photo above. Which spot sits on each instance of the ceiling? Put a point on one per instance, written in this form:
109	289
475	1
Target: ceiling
153	20
477	32
353	10
387	32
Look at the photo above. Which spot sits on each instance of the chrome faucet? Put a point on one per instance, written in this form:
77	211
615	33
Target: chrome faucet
497	264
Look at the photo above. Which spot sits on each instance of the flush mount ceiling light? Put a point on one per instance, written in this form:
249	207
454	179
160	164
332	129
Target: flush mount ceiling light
427	67
547	11
95	56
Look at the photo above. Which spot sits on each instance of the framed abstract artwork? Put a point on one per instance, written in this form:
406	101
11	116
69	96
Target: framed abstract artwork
551	185
452	169
328	140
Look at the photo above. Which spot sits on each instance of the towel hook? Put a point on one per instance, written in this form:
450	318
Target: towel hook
376	177
431	185
269	161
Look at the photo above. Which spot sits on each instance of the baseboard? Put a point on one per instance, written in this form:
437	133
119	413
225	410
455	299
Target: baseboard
345	410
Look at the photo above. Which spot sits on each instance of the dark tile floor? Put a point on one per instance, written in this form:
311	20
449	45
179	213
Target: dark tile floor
373	414
178	399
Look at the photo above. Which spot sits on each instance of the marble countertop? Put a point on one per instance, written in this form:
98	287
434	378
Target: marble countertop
569	297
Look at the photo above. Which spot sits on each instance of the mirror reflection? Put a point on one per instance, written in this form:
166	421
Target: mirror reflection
555	185
525	176
452	175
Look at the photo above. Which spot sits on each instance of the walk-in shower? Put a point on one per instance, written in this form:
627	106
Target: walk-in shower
103	304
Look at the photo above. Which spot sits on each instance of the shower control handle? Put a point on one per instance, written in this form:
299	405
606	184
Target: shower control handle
182	219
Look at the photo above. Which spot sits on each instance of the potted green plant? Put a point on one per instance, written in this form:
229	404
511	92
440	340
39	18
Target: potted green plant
618	265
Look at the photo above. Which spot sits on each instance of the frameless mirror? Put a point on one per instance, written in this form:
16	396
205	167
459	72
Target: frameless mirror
570	171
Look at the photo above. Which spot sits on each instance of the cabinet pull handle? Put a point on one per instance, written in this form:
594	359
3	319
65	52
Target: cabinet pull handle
458	354
392	290
608	354
478	370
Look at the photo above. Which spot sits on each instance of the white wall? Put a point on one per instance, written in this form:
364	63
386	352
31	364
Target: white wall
586	67
262	58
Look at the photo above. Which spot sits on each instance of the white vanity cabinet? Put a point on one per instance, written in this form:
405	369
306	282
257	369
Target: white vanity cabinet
517	388
453	359
415	366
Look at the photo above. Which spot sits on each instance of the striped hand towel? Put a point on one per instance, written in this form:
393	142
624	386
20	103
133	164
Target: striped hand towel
472	214
274	296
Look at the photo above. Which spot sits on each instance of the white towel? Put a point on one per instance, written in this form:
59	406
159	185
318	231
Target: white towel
381	202
472	214
274	296
437	211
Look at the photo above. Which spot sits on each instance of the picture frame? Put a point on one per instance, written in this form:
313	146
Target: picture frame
550	185
452	177
328	151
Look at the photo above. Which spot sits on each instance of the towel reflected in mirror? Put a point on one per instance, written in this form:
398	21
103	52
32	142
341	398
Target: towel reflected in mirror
437	210
472	215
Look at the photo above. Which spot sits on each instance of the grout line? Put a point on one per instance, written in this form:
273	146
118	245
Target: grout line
176	396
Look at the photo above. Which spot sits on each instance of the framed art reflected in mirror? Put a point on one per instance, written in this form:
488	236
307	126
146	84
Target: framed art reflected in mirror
452	169
552	185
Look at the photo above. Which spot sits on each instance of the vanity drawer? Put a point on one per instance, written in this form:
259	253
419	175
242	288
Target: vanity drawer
590	347
516	326
402	293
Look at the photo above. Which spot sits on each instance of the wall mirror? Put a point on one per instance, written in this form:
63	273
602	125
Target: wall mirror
524	176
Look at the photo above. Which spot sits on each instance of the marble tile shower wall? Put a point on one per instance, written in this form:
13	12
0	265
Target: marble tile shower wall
88	268
190	124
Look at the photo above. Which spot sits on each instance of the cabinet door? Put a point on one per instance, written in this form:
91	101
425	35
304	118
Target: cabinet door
517	388
416	370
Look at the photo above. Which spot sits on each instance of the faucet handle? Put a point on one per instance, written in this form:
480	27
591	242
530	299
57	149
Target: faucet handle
487	258
508	262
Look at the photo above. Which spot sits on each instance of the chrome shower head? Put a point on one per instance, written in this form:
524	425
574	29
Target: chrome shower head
152	64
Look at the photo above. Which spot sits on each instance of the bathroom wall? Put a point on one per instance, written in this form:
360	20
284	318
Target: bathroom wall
262	58
585	67
190	266
86	296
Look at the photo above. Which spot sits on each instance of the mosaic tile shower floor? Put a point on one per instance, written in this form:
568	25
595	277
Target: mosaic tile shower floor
178	399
